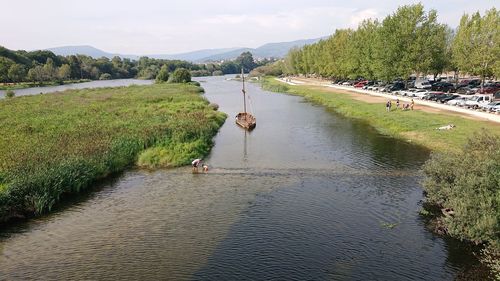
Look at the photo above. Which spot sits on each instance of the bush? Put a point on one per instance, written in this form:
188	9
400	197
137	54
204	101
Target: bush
10	94
180	75
218	73
162	75
196	83
468	182
214	106
105	76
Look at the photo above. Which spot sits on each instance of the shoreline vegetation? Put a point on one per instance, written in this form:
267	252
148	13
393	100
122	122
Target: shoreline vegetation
462	176
60	144
24	85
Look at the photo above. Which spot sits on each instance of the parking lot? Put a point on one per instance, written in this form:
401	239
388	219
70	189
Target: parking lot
419	96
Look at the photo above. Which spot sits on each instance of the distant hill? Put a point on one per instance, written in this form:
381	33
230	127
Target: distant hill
276	50
195	55
88	51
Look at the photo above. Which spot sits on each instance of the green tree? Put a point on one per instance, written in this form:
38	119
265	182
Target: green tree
17	73
64	72
5	65
180	75
162	75
476	47
49	70
246	61
36	74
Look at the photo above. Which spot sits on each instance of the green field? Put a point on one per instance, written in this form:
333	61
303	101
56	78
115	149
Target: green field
414	126
56	144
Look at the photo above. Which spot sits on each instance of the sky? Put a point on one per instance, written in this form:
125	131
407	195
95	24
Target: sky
176	26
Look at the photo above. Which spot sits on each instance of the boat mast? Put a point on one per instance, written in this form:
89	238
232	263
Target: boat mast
243	90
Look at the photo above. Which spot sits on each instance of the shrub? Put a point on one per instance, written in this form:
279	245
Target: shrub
214	106
162	75
10	94
196	83
105	76
468	181
180	75
218	73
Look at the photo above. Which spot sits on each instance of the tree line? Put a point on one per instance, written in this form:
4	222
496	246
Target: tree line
408	42
44	66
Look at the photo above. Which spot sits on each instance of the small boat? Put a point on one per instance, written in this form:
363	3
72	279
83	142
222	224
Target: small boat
245	119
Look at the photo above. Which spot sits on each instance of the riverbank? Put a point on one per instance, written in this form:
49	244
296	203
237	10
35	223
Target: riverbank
416	126
54	145
24	85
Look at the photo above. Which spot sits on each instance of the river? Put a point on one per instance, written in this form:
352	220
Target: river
307	195
84	85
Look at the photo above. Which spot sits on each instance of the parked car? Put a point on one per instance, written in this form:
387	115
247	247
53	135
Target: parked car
360	84
422	84
396	86
446	97
368	84
460	101
495	108
476	101
346	83
420	93
488	90
490	106
443	87
467	90
432	95
469	82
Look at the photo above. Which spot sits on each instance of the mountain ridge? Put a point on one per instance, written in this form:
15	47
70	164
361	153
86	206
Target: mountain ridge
276	50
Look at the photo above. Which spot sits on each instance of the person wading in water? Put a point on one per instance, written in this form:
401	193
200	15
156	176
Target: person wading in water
195	164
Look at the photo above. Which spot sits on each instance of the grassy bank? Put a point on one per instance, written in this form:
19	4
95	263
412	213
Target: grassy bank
52	145
415	126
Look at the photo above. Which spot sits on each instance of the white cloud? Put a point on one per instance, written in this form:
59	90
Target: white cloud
358	16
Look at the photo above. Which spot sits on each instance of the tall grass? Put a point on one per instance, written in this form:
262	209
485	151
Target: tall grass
416	126
52	145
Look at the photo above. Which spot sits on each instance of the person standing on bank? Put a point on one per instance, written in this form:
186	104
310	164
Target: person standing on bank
412	104
388	106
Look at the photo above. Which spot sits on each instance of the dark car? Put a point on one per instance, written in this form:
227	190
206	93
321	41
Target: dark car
432	95
446	97
488	90
443	87
467	90
396	86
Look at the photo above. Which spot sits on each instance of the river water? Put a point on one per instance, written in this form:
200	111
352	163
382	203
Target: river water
84	85
308	195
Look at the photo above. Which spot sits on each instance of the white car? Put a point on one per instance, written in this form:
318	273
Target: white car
490	106
457	102
477	101
495	108
423	84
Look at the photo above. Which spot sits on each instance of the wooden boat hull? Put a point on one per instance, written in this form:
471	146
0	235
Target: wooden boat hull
246	120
